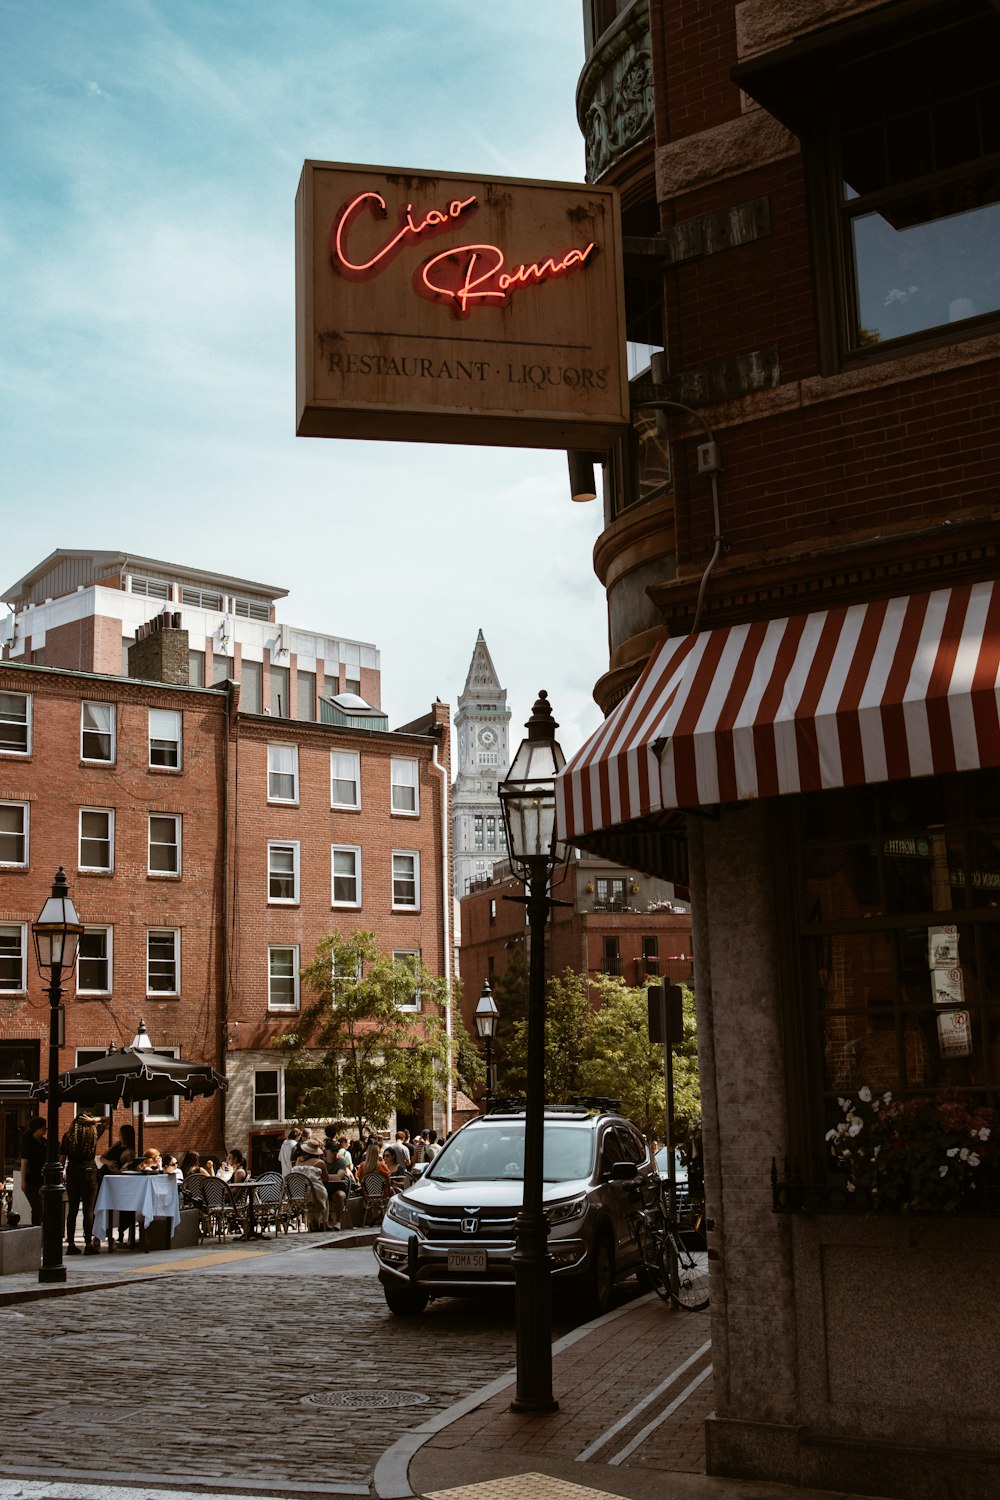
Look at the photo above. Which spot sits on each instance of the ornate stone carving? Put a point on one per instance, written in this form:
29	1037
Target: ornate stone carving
615	98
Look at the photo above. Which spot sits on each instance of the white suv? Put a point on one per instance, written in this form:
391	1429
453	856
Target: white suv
452	1232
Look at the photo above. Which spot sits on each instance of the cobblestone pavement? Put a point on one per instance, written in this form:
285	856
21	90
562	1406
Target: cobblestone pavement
221	1374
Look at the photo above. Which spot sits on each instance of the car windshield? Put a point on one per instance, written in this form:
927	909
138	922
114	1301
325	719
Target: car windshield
496	1152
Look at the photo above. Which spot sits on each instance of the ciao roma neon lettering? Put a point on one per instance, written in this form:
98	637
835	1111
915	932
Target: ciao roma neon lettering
490	282
465	277
436	218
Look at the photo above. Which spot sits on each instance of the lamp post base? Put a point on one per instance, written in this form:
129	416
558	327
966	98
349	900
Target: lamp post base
51	1273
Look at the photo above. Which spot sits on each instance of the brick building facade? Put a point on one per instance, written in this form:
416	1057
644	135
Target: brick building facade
614	921
799	553
208	850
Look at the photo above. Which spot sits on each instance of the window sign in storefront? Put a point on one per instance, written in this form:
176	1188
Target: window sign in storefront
440	308
954	1031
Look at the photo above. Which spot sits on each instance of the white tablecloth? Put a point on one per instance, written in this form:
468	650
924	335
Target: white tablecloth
149	1195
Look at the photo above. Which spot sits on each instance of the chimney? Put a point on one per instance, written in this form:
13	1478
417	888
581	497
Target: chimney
160	652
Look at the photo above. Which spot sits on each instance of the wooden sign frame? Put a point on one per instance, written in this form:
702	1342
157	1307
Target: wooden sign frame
443	308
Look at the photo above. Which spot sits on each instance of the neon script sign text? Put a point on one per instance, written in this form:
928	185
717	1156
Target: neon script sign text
464	277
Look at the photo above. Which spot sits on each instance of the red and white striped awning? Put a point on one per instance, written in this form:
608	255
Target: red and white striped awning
872	692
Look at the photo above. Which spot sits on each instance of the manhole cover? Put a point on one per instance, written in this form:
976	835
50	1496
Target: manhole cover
362	1400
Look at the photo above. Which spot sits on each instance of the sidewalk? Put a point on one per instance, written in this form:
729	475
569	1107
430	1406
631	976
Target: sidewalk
634	1389
126	1267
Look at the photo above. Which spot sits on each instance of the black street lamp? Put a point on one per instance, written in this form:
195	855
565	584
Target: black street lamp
142	1042
57	936
486	1024
527	800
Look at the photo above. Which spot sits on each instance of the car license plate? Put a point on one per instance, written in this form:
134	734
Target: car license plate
467	1260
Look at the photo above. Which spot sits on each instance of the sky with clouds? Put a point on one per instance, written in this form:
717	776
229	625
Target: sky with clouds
152	150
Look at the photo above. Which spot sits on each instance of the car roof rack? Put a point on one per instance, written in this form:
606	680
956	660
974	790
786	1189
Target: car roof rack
597	1101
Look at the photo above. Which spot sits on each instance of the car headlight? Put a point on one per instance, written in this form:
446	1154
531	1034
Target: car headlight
570	1208
403	1212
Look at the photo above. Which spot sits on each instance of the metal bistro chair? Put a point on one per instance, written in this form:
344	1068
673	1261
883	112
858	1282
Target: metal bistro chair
295	1200
193	1196
269	1201
374	1196
225	1214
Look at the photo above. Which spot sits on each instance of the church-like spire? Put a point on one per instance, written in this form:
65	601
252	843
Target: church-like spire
482	678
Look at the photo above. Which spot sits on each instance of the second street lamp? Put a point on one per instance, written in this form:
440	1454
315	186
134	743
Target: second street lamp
528	802
486	1024
57	936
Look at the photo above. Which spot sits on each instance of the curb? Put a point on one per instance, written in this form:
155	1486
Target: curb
391	1478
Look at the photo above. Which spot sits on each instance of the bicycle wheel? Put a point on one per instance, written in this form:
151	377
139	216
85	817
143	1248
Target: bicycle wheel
688	1275
654	1271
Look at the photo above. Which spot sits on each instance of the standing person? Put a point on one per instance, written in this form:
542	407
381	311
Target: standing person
431	1147
402	1146
78	1150
310	1161
287	1150
33	1153
416	1149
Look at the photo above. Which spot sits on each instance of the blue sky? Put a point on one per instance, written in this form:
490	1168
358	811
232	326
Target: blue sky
151	152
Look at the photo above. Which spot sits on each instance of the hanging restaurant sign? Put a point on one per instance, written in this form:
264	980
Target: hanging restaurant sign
448	309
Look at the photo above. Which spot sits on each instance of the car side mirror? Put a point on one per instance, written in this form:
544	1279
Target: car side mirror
622	1171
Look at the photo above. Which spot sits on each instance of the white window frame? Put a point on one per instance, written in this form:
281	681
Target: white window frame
355	760
98	760
405	786
25	834
293	949
163	1111
275	771
413	905
336	849
167	740
108	931
293	899
175	933
337	978
280	1094
22	929
26	722
403	954
106	812
177	821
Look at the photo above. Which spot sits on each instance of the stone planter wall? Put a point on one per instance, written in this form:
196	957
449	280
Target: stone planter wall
20	1250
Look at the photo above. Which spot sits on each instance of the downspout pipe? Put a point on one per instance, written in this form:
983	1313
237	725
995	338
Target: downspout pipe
442	771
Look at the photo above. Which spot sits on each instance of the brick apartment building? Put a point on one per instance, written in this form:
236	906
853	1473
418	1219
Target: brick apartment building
615	921
800	559
208	848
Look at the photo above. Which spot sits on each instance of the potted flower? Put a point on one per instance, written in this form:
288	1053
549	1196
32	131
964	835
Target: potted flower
922	1155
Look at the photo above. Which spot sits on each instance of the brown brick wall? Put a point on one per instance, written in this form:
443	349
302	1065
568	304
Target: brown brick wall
56	784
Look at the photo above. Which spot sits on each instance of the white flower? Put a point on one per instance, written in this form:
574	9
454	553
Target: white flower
964	1153
845	1104
887	1098
974	1160
851	1188
952	1151
984	1134
865	1094
831	1135
943	1171
855	1125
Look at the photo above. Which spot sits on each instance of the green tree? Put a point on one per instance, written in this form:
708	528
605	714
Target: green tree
355	1054
624	1064
569	1025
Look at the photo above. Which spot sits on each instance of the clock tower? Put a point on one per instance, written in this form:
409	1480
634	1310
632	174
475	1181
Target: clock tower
481	726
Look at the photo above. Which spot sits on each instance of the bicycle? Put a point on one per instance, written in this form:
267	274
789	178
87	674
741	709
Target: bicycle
674	1260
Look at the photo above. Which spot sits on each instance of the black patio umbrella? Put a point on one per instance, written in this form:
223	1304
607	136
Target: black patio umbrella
132	1076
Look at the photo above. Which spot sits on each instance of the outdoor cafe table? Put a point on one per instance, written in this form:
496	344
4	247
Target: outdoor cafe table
149	1195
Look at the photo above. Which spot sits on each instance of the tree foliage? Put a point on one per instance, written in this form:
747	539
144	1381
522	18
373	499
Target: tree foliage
602	1051
355	1055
